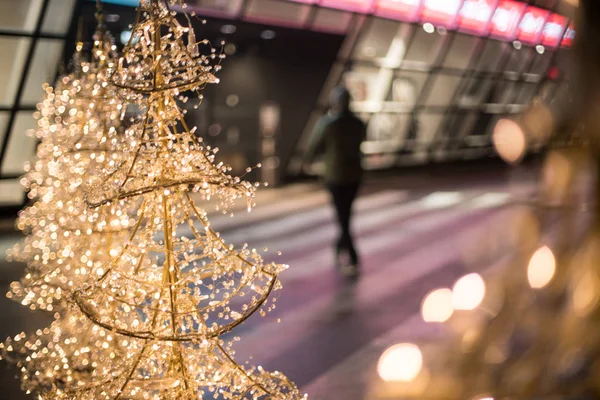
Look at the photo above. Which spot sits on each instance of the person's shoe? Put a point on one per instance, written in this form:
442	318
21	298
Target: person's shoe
342	258
350	271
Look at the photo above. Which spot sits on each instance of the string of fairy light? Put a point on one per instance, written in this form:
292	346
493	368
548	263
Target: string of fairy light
117	242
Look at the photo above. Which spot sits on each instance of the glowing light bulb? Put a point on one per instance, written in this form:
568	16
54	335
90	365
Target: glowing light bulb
585	296
541	269
437	306
509	140
468	292
400	363
428	27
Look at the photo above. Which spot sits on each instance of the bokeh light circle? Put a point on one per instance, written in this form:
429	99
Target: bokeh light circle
400	363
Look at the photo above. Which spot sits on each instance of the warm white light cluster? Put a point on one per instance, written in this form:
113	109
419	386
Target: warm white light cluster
151	285
526	331
66	242
78	123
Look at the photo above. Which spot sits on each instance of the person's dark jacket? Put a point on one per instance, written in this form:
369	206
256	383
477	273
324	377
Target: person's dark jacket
339	137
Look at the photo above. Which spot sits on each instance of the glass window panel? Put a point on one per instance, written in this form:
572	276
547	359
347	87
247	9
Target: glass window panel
429	123
491	123
21	147
331	20
483	124
526	93
47	54
474	90
11	67
308	129
11	193
492	56
518	60
442	90
335	74
406	88
461	51
424	48
220	7
376	41
388	130
468	123
3	121
548	90
541	62
364	84
457	126
19	15
276	11
501	92
451	126
333	79
58	17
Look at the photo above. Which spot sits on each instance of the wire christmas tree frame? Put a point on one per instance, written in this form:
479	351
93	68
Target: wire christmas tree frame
145	318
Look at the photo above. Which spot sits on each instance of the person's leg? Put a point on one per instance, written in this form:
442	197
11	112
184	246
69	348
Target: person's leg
344	198
337	199
350	195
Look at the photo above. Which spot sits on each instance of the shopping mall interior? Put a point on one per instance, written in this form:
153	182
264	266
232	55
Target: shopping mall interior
429	91
463	247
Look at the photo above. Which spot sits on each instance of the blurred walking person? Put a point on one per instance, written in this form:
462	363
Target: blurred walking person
339	135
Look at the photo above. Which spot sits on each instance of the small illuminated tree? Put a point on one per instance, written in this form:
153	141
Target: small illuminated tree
175	286
77	125
66	242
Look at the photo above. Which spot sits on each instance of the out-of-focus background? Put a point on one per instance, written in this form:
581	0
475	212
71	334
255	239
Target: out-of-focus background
430	78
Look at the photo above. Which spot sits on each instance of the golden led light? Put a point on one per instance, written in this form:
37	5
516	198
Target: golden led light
541	268
509	140
586	294
400	363
437	306
468	292
71	121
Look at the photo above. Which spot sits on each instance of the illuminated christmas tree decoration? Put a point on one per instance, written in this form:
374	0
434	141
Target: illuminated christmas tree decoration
156	286
67	243
78	125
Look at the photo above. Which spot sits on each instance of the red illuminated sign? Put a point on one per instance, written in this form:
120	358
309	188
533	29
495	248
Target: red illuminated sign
349	5
441	12
554	30
475	15
569	37
532	25
405	10
506	19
